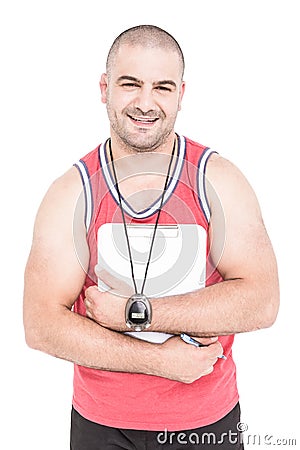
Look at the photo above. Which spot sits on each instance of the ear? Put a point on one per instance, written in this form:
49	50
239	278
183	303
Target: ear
182	89
103	87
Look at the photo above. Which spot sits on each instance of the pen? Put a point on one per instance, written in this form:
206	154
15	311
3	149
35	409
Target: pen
189	340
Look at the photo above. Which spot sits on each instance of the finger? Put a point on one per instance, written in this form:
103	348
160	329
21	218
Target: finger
206	340
87	308
91	293
88	313
87	303
214	351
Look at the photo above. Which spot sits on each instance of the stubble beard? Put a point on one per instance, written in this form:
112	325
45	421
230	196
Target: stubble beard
144	141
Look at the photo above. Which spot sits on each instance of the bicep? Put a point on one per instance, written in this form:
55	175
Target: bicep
55	270
240	246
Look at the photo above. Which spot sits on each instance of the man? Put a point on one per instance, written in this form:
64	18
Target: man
149	392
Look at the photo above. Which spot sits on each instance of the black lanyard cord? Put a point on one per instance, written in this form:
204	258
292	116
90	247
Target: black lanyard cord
156	222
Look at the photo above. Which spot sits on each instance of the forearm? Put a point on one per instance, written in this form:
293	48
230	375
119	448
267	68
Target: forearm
67	335
229	307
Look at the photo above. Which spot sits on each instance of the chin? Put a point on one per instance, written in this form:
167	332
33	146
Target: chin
141	143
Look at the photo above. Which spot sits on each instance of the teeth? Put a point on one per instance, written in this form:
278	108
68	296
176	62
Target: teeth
144	119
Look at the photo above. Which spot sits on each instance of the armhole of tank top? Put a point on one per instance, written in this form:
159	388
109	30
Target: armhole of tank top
85	178
203	200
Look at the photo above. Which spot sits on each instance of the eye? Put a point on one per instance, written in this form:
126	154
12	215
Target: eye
163	89
129	85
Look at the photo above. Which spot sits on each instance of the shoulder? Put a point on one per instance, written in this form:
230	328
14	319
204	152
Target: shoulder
226	178
66	186
218	165
60	202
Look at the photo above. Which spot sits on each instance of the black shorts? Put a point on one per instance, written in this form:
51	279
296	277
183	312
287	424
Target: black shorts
86	435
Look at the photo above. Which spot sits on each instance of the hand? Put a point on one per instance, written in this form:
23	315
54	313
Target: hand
106	308
187	363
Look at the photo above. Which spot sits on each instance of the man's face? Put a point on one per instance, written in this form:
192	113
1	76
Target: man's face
143	94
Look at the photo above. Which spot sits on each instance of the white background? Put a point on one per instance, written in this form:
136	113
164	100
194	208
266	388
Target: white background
242	99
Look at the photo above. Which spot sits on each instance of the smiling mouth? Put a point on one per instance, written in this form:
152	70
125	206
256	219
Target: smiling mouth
145	121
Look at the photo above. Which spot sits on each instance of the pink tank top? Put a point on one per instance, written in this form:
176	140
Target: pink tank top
110	398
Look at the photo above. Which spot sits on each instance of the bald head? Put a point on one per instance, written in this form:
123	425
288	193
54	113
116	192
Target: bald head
148	36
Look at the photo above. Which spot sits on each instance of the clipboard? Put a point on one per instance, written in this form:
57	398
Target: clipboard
178	262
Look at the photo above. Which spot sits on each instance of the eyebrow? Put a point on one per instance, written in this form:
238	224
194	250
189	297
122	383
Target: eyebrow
164	82
128	77
136	80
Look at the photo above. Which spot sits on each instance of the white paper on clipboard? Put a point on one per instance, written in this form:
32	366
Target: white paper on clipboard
178	262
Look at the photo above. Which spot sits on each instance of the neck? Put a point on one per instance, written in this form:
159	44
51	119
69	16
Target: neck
140	185
147	163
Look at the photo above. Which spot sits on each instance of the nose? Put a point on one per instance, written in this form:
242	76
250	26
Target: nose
144	100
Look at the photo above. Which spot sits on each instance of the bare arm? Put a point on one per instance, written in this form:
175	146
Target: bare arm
249	296
54	278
